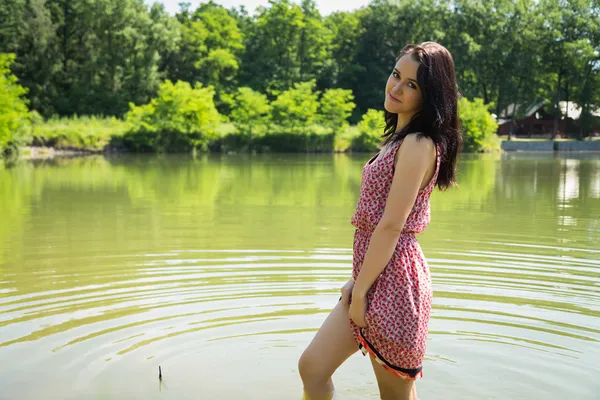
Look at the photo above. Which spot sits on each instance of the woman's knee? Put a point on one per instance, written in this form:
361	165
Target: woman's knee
311	368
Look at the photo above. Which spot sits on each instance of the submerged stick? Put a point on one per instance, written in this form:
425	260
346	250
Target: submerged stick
159	373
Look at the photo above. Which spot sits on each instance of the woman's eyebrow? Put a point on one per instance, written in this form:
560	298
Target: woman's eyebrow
410	79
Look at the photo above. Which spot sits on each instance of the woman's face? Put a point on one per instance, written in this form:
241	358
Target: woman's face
402	92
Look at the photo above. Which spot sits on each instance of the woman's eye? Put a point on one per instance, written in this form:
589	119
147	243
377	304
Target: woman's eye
395	75
412	85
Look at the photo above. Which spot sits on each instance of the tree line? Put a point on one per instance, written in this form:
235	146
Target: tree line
106	57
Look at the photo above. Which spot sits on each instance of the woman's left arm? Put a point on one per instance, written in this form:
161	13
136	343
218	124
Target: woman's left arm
415	157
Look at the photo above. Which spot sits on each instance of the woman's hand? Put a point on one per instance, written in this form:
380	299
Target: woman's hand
358	308
347	292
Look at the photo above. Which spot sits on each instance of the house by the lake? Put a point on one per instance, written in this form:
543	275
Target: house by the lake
536	120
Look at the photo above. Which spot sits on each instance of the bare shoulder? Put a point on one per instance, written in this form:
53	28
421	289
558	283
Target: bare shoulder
414	142
415	146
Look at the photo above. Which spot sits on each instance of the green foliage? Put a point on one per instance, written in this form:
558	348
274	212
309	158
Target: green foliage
14	114
218	65
312	140
250	115
343	140
179	118
85	132
277	138
344	66
479	127
314	43
250	110
336	107
296	107
370	130
273	35
95	57
118	62
211	46
26	28
286	43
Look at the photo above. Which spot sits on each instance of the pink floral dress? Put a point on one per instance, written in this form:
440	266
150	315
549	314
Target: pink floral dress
399	301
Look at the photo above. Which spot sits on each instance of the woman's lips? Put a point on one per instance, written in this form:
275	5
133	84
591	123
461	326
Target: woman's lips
393	98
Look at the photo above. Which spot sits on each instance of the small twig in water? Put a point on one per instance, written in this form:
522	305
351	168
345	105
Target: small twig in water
159	373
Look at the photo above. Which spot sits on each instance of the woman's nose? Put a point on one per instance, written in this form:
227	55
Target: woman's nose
398	88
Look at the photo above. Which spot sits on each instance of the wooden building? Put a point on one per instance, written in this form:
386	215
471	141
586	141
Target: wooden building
536	121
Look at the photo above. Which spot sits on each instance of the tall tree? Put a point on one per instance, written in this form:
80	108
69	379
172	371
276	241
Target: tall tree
271	59
314	43
568	38
210	49
346	30
26	30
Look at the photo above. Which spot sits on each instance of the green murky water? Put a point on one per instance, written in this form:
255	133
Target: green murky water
221	268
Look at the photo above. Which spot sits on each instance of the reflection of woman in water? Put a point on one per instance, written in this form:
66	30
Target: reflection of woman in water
384	309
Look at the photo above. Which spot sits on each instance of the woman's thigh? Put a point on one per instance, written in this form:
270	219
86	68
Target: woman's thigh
392	387
332	345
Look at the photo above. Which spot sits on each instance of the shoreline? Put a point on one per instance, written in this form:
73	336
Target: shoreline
557	146
47	153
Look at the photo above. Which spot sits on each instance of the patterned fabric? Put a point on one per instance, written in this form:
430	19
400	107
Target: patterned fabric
399	301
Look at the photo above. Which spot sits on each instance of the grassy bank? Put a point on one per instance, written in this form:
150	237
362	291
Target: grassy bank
537	140
90	134
96	134
185	118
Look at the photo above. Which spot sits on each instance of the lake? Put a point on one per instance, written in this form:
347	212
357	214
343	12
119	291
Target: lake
220	269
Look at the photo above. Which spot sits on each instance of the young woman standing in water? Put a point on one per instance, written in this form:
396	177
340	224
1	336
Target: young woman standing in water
384	309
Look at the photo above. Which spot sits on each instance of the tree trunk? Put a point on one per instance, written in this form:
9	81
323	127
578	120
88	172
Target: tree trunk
582	121
302	53
584	97
499	102
112	63
567	106
65	36
557	107
517	99
485	94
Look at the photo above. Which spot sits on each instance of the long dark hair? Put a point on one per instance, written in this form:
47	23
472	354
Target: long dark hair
438	117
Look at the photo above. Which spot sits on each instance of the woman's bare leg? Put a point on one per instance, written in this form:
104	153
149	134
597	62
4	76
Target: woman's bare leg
392	387
331	346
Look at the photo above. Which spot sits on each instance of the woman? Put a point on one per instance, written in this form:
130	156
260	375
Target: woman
384	309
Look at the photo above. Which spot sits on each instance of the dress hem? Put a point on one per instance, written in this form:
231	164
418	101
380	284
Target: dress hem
408	374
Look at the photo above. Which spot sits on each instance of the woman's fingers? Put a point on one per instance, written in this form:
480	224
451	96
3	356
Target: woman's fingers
347	292
357	311
345	297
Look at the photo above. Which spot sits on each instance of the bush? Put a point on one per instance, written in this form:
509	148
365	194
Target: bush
250	111
309	139
179	118
479	127
343	140
336	107
15	119
296	106
371	128
277	138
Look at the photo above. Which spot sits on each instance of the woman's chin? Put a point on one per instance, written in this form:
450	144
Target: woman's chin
391	108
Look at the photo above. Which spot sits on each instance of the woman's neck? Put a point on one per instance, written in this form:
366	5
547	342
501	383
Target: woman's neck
403	120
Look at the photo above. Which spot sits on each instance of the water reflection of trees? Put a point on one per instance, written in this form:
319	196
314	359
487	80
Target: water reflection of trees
129	203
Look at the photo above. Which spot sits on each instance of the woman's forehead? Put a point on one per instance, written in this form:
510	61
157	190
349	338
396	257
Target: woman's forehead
406	64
